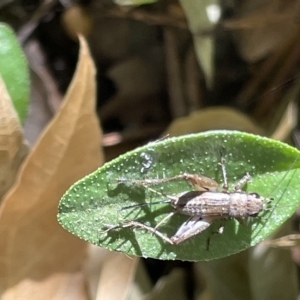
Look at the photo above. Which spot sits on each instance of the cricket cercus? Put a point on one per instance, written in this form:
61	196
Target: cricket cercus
204	205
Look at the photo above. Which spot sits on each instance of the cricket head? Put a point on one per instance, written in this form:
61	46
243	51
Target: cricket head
257	204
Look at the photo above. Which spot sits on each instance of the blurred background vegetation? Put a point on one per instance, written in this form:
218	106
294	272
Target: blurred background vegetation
169	67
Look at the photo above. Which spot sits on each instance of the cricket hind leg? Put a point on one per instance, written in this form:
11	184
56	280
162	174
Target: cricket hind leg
191	227
135	224
200	182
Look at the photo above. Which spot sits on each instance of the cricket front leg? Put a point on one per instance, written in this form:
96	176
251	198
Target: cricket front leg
190	228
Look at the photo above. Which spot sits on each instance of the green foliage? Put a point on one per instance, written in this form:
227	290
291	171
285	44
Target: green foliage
14	70
97	199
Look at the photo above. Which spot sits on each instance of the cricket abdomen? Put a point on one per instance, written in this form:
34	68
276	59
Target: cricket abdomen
219	204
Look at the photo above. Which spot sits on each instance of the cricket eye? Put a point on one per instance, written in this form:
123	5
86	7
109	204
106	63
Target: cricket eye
255	195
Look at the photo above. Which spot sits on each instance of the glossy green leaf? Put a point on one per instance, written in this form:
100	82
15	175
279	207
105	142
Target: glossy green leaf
14	70
96	200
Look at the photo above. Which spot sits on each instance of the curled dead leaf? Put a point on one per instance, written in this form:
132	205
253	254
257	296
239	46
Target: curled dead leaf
13	148
37	257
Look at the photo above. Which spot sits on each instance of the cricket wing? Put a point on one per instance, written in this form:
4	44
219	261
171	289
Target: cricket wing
191	227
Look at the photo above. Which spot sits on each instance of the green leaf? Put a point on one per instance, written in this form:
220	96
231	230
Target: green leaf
14	70
96	200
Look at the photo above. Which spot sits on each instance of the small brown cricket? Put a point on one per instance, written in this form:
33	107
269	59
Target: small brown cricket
204	205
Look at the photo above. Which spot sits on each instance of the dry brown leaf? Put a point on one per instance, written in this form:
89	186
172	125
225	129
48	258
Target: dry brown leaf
272	272
142	284
13	148
116	276
75	20
285	118
171	286
263	26
287	241
38	258
212	119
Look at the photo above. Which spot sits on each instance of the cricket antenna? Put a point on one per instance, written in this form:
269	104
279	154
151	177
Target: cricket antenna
170	199
285	175
144	204
274	189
